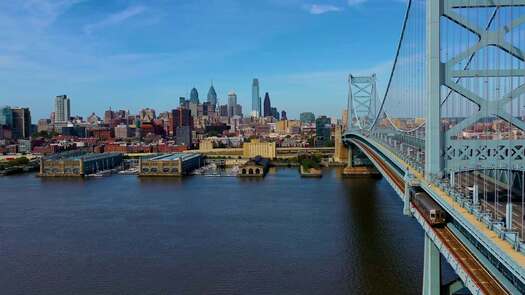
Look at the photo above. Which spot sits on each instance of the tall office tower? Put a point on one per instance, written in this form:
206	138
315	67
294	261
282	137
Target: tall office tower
62	109
275	113
267	105
232	102
283	115
194	96
212	96
181	117
21	123
237	111
109	115
223	110
6	116
323	130
183	102
256	99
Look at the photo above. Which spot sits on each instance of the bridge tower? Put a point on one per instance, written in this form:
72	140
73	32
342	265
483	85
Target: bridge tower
445	151
362	104
362	101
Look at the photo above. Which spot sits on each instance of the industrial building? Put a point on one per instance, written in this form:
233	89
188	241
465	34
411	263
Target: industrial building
256	148
78	163
176	164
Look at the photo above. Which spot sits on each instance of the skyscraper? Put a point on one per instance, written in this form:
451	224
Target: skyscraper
283	115
194	96
232	102
212	96
62	109
323	130
6	116
21	123
275	113
256	99
267	105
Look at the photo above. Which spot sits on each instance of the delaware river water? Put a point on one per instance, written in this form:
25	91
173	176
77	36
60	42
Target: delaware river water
207	235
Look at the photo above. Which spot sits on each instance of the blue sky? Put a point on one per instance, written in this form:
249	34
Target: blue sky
133	54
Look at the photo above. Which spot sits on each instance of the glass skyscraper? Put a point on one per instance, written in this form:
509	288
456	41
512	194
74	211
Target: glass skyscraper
212	96
194	96
6	116
232	102
256	99
267	105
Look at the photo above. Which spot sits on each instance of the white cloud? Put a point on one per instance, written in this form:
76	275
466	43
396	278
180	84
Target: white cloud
115	18
356	2
321	8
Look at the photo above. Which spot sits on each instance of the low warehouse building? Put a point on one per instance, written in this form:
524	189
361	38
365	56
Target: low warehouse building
78	164
256	167
177	164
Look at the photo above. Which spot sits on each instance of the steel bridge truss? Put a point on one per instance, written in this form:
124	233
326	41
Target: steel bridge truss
362	100
466	155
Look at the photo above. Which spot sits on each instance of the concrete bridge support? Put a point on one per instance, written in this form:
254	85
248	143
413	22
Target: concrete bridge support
432	268
364	168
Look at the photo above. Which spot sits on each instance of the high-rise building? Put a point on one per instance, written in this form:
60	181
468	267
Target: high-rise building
275	113
6	116
62	109
237	110
184	136
232	102
109	115
223	110
44	125
283	115
267	105
307	117
256	99
194	96
212	96
181	117
323	130
21	123
183	103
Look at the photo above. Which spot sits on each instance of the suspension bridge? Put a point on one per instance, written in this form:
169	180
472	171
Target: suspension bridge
451	125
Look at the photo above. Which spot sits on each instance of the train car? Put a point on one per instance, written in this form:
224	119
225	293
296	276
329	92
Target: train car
431	211
413	190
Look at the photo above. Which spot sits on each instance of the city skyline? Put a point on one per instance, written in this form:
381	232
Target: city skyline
116	55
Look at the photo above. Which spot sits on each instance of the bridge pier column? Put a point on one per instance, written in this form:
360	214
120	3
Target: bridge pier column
350	156
431	269
362	168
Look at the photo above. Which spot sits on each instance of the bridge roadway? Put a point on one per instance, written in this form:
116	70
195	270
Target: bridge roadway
463	181
483	279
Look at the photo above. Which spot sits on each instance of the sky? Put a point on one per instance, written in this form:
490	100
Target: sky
132	54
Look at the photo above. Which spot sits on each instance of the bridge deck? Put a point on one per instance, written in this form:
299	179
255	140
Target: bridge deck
504	246
478	273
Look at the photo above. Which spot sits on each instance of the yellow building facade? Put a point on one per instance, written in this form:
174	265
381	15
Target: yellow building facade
257	148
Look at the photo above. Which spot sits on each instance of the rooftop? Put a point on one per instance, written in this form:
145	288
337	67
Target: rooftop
175	156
